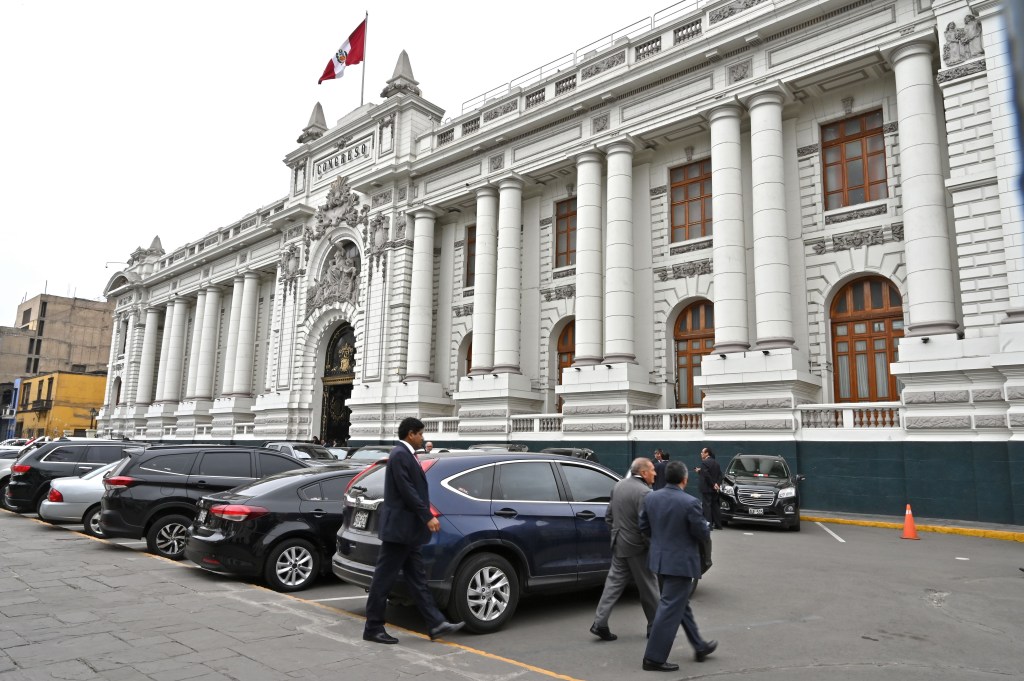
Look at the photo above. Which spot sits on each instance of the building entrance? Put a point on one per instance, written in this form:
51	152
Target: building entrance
339	373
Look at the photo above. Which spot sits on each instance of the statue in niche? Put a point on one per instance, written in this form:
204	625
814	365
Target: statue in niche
339	282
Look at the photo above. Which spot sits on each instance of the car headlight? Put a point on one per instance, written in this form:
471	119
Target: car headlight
727	489
787	492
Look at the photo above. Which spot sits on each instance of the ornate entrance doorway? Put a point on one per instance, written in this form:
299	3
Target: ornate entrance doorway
339	372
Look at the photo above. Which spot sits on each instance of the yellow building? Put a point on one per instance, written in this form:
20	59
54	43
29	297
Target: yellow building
61	403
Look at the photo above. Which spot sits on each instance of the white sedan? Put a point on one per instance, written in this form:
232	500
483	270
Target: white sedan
77	500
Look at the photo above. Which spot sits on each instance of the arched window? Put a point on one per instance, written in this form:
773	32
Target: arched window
566	350
469	357
694	336
867	320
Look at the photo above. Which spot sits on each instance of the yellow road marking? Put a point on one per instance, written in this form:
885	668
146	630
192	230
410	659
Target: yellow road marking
940	529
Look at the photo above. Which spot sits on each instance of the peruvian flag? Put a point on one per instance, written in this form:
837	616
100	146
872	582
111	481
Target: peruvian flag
350	53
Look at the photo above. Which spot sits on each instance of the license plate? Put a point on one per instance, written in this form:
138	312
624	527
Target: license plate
360	519
201	517
755	511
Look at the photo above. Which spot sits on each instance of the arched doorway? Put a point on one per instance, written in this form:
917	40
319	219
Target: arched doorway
339	372
867	321
694	337
565	353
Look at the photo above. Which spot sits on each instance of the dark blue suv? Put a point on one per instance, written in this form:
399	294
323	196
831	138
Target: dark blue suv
511	525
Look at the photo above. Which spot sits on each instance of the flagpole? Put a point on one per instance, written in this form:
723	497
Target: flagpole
366	31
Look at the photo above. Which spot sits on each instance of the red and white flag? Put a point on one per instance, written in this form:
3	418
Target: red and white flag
351	52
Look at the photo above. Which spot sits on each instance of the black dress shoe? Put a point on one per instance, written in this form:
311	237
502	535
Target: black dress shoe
445	628
709	648
379	637
603	633
651	666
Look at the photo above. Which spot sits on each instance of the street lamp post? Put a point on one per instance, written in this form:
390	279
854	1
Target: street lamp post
93	413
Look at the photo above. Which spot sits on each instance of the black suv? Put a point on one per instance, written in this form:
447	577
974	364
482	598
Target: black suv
154	495
760	488
31	474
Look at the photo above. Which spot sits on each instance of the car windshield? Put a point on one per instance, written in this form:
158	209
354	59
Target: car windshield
370	454
759	467
101	471
311	452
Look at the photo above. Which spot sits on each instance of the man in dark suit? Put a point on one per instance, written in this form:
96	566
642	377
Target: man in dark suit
710	480
405	524
629	548
673	520
661	458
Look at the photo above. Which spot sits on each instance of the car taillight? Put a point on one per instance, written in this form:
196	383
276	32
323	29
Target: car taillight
425	464
238	512
119	482
363	474
434	512
54	495
20	468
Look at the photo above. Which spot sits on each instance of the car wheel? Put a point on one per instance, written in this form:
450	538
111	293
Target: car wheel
292	565
795	525
167	536
91	521
39	504
486	593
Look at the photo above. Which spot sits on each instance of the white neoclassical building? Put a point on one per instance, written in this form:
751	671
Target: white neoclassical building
785	225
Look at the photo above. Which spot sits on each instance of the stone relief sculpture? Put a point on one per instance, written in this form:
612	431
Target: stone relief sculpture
341	207
962	43
339	282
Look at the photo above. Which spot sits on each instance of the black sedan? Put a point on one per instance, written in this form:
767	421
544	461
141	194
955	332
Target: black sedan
282	528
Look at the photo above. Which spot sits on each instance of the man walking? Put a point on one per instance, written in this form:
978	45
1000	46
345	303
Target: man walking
661	458
405	524
710	480
673	520
629	548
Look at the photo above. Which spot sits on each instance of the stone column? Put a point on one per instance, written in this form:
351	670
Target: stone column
176	352
507	304
619	303
421	308
772	303
929	269
208	345
144	389
486	279
194	348
165	346
728	249
231	343
242	386
589	260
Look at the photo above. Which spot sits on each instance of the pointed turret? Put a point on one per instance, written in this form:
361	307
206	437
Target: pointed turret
317	126
402	80
156	248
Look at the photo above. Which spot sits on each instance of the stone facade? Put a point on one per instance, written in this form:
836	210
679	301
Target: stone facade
225	338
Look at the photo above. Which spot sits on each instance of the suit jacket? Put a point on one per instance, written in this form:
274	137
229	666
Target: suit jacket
710	475
624	517
659	477
675	523
405	511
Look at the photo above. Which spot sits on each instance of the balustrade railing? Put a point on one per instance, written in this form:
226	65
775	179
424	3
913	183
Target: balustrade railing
860	416
667	419
442	424
537	423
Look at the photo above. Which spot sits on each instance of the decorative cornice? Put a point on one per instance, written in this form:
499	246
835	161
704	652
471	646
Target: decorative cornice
858	214
501	110
690	247
684	270
856	239
961	71
561	274
599	67
732	8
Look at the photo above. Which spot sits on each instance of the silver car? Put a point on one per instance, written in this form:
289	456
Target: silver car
77	500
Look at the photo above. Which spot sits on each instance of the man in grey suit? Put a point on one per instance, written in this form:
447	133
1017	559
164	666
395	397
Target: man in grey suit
629	548
674	522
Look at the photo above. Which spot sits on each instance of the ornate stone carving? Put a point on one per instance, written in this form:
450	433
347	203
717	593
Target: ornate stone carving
600	123
684	270
562	274
402	193
937	422
400	226
689	153
342	206
501	110
604	65
595	409
496	162
891	128
375	239
483	414
497	428
559	293
291	266
593	427
340	281
381	199
848	105
809	150
544	222
856	214
761	424
964	43
741	71
988	395
690	247
850	240
463	310
897	231
386	133
658	191
732	8
961	71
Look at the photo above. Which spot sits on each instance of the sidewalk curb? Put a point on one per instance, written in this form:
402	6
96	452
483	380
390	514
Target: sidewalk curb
940	529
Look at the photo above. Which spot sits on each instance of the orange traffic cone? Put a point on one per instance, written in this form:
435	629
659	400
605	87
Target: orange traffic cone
909	530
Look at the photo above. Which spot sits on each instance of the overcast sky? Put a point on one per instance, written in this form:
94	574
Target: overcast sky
126	120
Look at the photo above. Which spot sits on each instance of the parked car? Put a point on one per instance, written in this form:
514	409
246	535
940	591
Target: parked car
511	525
282	528
574	452
303	450
760	488
77	500
33	472
500	447
154	495
341	453
370	453
14	443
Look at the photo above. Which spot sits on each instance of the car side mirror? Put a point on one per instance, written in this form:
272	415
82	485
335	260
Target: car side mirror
801	478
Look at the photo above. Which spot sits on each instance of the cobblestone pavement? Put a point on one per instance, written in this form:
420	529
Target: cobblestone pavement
72	607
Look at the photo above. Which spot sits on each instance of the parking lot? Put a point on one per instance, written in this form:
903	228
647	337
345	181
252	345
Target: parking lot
833	601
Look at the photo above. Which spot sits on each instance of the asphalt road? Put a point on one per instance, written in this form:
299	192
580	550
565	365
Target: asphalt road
830	602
